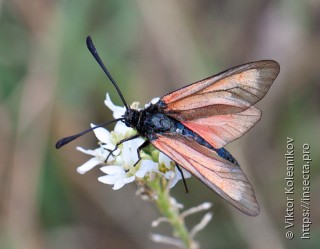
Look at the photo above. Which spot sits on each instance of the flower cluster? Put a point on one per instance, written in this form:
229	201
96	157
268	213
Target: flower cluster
155	174
119	166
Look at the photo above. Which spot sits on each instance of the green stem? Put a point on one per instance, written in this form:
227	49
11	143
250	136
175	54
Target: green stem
159	185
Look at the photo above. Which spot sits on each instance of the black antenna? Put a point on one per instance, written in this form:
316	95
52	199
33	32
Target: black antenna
95	54
67	140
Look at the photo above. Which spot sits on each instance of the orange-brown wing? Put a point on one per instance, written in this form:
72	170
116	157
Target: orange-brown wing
225	178
219	108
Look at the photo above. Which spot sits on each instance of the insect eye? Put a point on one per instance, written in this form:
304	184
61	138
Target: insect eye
127	123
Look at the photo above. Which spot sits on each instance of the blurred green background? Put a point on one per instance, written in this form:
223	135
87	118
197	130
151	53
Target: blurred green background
51	87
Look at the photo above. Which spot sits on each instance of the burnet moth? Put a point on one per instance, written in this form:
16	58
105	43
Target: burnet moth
192	125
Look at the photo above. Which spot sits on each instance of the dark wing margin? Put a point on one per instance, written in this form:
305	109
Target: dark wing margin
225	178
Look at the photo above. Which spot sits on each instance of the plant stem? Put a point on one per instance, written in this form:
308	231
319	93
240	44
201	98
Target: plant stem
170	211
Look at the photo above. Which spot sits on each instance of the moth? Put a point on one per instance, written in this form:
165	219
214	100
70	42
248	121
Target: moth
193	124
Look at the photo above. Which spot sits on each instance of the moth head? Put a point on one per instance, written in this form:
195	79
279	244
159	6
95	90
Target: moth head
131	117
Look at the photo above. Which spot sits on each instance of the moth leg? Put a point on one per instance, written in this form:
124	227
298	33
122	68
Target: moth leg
120	142
106	148
183	179
142	146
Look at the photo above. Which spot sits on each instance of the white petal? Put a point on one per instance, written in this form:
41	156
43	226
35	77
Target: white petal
186	173
118	184
88	152
145	167
102	134
109	179
130	150
129	179
173	182
141	173
169	175
119	160
118	111
112	169
153	101
121	128
104	152
138	141
177	177
129	153
109	146
88	165
165	160
121	181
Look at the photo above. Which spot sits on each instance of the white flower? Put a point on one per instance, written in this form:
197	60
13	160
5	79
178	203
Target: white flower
126	171
99	156
173	174
118	111
118	176
104	136
146	166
